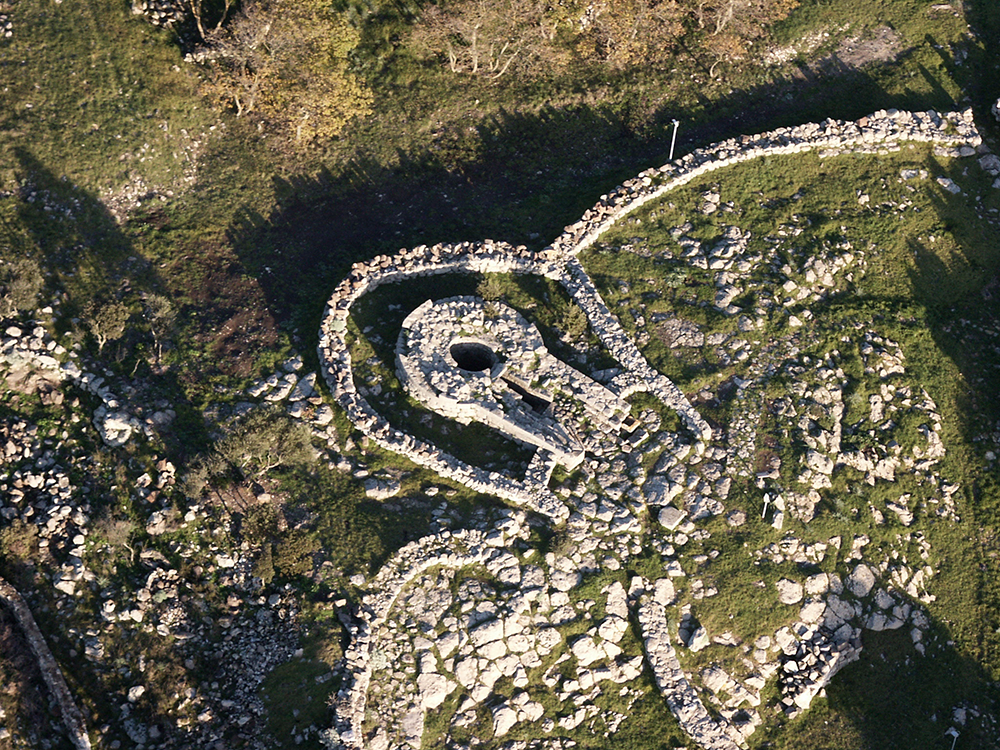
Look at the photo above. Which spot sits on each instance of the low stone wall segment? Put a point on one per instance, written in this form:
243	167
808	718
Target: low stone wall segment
674	685
877	132
457	549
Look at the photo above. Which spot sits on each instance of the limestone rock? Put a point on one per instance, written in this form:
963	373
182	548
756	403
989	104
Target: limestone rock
789	592
699	639
671	517
587	651
861	580
434	688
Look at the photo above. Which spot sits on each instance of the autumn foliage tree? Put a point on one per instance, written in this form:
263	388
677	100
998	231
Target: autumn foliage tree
285	63
732	26
623	33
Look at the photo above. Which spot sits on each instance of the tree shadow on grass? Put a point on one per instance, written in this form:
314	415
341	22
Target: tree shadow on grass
86	256
519	178
893	698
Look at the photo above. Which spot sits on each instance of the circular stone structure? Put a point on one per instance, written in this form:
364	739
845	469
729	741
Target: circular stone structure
477	361
473	356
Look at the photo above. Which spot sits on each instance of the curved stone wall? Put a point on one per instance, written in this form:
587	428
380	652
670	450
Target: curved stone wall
954	133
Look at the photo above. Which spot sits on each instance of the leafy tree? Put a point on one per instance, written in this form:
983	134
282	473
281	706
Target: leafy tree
623	33
260	441
265	439
106	320
285	62
161	316
293	553
20	282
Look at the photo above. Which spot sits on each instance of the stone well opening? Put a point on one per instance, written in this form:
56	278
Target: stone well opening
473	356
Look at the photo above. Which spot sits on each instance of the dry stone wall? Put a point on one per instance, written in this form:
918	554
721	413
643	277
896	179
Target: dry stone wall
880	132
953	133
448	549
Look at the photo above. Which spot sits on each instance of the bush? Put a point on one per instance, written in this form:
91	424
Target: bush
20	282
257	443
19	541
293	553
106	320
286	64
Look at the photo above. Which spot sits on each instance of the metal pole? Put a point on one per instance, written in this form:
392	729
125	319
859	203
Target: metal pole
673	141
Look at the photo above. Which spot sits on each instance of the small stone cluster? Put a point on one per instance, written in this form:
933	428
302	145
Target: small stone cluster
39	364
165	13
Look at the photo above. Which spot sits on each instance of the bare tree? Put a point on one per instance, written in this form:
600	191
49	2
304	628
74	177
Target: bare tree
484	37
733	25
161	316
201	10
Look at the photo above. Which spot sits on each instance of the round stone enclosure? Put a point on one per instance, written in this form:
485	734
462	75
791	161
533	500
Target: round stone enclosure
472	355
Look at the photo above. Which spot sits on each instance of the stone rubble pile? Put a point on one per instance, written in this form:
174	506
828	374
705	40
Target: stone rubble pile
447	549
50	365
165	13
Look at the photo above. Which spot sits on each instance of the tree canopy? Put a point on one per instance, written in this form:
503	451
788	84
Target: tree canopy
285	63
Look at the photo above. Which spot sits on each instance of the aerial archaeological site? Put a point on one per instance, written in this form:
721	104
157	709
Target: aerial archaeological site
418	374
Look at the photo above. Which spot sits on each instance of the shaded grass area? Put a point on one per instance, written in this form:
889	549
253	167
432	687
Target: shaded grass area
920	694
296	692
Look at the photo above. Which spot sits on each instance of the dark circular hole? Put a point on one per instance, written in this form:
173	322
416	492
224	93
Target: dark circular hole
473	356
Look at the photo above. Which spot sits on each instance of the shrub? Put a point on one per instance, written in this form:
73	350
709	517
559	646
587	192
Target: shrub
20	282
19	541
257	443
293	553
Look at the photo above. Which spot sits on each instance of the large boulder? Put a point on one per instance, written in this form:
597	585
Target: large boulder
789	592
434	688
861	581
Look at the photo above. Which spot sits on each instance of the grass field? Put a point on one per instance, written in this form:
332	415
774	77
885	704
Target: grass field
927	280
123	181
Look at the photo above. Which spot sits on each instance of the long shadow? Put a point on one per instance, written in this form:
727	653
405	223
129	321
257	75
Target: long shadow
527	177
894	698
983	83
87	256
530	175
